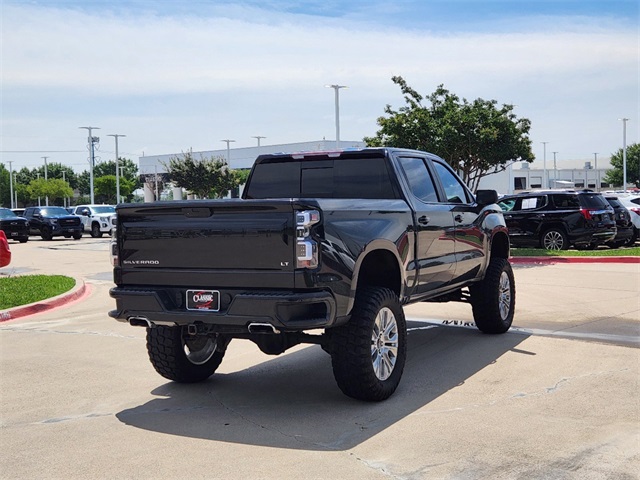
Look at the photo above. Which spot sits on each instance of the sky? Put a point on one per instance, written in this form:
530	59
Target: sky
174	76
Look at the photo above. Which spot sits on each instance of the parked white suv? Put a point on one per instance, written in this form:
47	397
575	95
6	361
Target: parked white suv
632	202
97	219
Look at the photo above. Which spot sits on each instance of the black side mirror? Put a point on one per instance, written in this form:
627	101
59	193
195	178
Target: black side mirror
486	197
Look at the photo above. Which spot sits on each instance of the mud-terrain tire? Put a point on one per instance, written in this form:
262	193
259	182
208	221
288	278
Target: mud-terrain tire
493	300
171	356
368	353
554	239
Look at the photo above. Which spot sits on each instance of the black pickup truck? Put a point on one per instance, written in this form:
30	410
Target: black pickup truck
322	248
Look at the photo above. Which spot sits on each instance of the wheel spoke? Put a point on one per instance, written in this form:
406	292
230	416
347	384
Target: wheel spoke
384	343
199	350
504	295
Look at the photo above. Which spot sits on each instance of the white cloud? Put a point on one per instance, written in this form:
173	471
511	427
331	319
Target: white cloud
248	70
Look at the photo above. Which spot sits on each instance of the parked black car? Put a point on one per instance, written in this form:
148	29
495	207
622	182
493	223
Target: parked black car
556	220
13	226
49	222
623	223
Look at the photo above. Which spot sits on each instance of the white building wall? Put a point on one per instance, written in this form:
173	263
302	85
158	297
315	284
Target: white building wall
243	157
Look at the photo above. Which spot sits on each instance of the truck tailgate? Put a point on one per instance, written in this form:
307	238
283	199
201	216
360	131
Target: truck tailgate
203	243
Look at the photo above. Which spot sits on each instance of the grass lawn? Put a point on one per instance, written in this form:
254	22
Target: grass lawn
24	289
598	252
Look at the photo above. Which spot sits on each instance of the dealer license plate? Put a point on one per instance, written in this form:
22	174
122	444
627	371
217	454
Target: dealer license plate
208	300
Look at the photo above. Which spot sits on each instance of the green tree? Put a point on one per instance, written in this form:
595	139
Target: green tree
56	189
5	187
615	175
57	170
128	169
476	138
105	188
205	177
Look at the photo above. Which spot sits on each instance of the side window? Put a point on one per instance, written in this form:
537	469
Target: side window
507	204
566	201
453	189
420	181
531	203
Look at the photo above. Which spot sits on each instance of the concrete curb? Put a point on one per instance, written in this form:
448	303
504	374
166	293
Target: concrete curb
551	260
77	292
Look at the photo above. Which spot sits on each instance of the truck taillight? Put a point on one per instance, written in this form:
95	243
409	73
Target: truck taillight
113	249
306	247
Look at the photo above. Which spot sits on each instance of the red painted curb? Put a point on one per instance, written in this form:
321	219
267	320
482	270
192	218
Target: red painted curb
42	306
517	260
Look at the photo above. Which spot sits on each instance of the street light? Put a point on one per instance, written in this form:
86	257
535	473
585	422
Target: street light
91	141
11	185
337	90
624	153
258	137
116	135
228	151
46	178
595	165
544	165
555	171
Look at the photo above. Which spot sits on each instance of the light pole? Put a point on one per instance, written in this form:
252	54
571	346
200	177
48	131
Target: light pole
544	165
228	151
624	153
337	90
116	135
595	165
46	198
91	141
258	137
555	171
11	185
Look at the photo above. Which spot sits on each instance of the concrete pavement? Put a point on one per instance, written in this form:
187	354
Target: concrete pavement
80	399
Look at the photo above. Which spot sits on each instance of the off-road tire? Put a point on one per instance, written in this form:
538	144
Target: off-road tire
354	348
493	300
554	239
95	231
166	348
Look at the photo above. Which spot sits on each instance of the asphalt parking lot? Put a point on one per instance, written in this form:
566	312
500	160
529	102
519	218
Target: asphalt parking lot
556	397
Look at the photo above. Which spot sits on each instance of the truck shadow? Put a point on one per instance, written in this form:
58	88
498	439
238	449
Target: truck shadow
293	402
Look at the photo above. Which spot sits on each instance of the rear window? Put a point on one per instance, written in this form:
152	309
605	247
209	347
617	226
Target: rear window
327	178
614	202
593	200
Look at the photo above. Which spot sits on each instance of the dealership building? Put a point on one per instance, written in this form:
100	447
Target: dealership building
517	177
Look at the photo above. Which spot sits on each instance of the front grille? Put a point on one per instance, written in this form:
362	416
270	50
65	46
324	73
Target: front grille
67	222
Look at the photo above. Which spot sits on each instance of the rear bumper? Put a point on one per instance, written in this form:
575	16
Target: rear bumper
287	311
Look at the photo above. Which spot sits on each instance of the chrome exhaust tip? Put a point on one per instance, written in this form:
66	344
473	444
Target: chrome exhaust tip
140	322
262	328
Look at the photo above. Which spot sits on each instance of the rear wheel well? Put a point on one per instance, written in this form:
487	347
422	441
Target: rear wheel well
380	269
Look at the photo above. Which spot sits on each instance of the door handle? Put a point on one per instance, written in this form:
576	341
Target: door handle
423	220
458	218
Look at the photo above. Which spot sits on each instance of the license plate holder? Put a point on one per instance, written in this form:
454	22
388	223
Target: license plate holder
203	300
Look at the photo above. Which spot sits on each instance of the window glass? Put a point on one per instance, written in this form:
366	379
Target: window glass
565	201
593	200
454	190
507	204
419	178
322	178
531	203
